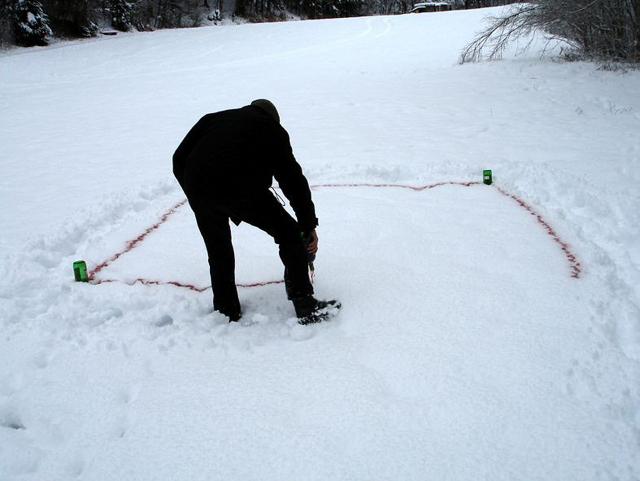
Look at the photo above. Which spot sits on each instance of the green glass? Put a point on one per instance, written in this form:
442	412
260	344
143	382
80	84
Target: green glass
487	177
80	271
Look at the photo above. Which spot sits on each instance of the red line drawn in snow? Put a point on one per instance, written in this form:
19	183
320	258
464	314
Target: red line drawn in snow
191	287
417	188
133	243
574	264
149	282
572	259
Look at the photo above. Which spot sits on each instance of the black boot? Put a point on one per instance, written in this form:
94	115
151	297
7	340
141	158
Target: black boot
234	316
310	310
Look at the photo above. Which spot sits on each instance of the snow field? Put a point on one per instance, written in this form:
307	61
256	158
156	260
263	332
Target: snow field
464	349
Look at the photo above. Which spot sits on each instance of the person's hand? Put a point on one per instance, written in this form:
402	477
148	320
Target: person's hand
311	243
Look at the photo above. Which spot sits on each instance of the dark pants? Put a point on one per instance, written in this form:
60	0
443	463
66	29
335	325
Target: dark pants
265	213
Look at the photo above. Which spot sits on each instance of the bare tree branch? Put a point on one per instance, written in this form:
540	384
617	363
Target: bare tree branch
605	29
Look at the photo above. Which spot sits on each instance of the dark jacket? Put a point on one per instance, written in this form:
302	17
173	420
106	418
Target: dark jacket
235	154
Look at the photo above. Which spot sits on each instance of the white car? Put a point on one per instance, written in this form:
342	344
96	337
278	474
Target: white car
431	7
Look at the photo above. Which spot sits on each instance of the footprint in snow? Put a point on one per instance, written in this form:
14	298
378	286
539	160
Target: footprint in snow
41	360
165	320
10	420
120	426
127	394
75	467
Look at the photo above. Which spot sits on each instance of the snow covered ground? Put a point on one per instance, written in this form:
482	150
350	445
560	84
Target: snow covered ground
465	349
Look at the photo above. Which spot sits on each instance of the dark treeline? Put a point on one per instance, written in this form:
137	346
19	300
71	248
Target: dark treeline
34	22
265	9
606	29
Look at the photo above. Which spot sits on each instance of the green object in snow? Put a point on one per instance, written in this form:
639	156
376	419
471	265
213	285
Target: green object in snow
80	271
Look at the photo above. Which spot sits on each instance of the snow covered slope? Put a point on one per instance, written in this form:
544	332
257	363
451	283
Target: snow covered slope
477	341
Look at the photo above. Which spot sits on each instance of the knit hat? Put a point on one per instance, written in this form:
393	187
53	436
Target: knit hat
268	107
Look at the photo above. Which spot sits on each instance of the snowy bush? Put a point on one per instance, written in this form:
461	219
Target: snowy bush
122	12
31	23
